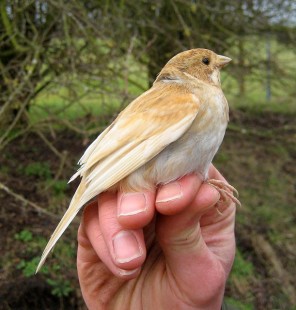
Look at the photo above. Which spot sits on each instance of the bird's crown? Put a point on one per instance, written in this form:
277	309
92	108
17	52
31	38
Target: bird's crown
200	63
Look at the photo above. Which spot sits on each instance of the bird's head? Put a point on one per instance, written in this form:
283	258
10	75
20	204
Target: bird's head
200	63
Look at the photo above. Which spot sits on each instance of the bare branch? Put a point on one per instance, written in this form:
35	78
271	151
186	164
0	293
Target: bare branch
27	202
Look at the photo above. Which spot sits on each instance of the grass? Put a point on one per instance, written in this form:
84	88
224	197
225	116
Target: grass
237	305
83	96
62	105
283	99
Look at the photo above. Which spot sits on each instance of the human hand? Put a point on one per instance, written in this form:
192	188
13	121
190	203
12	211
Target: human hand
175	253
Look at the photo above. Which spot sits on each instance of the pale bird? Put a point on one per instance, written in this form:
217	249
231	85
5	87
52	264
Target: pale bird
173	129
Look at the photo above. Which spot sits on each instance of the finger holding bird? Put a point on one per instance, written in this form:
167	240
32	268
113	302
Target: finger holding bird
173	129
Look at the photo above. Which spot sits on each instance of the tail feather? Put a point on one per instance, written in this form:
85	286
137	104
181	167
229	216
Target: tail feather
68	217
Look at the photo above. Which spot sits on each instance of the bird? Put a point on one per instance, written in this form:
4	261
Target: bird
173	129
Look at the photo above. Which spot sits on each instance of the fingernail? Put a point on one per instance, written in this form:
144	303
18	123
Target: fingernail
169	192
132	203
123	272
126	247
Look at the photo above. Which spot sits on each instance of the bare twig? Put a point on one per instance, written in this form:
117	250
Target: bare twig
76	129
27	202
10	138
51	146
61	166
19	114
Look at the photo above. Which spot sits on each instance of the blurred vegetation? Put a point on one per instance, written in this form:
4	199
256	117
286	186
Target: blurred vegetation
68	67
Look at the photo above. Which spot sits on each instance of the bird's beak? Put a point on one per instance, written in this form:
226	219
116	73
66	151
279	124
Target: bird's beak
223	61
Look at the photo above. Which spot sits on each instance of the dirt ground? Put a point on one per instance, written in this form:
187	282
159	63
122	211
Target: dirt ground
257	156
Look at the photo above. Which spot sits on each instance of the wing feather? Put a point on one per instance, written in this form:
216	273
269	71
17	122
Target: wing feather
150	113
126	160
141	131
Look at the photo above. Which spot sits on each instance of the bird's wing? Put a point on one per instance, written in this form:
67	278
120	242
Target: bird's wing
153	112
141	131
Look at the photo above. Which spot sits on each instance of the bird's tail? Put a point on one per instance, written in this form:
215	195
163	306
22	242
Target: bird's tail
75	205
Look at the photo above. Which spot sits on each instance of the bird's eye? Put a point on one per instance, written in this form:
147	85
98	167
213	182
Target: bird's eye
206	61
